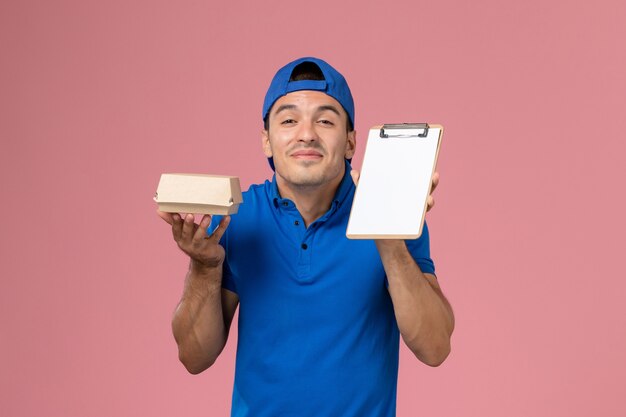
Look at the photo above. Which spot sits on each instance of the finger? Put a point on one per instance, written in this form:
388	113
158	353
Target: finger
435	181
188	228
219	232
201	232
165	216
430	202
177	226
355	176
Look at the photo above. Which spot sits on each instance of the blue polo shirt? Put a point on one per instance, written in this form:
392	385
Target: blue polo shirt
317	331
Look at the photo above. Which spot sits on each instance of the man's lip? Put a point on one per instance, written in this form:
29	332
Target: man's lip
306	153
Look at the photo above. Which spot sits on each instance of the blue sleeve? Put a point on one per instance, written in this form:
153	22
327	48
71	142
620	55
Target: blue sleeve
420	250
228	280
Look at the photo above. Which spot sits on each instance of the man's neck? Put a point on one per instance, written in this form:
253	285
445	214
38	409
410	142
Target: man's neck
311	201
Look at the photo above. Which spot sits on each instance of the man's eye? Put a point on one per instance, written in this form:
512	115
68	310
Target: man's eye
326	122
287	122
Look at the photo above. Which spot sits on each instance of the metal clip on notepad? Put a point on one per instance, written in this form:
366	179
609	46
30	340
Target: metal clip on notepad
402	128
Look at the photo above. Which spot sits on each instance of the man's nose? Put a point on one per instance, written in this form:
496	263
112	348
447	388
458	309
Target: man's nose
307	132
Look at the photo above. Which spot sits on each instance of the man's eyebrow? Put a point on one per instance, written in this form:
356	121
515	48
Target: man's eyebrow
320	109
329	107
285	107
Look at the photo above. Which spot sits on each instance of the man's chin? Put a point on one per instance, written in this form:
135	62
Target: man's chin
306	167
308	179
306	173
306	162
303	177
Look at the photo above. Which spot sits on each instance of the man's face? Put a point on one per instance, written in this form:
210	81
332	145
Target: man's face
308	138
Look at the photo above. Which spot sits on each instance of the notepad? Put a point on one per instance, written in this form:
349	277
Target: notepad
391	197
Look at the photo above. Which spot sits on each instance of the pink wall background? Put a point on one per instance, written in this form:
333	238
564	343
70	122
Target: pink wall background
98	98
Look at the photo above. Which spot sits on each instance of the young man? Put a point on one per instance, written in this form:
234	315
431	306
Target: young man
319	315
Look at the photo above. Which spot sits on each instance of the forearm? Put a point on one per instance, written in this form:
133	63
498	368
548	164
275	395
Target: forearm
424	316
198	322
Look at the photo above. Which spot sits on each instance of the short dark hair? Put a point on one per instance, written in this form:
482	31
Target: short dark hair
305	71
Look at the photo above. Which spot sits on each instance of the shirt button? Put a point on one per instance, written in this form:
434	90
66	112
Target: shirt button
297	223
285	204
304	246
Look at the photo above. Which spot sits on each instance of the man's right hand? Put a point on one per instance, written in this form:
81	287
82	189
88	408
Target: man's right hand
203	316
204	250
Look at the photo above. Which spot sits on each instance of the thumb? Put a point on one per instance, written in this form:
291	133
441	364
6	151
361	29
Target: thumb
355	176
165	216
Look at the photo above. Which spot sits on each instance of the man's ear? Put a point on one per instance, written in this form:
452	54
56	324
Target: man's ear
265	139
350	145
